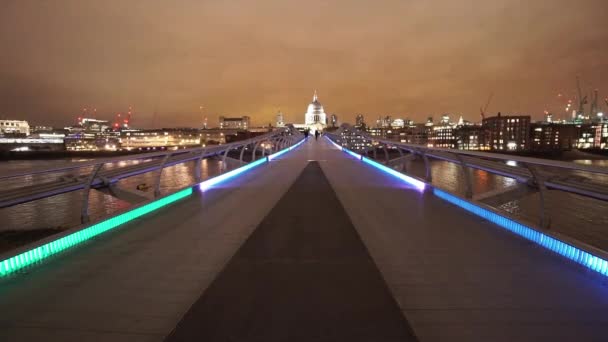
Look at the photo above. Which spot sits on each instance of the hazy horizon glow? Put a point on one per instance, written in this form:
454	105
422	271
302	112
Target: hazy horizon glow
409	59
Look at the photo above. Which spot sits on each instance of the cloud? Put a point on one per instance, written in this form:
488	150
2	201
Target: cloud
406	58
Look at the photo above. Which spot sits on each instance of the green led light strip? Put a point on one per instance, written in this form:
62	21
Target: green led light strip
24	259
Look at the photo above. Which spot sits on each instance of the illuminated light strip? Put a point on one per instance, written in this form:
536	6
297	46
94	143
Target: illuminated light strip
44	251
419	185
213	181
274	155
296	145
575	254
331	141
39	253
230	174
356	155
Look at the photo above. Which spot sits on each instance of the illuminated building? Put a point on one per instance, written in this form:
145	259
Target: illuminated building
280	119
507	132
470	138
14	127
398	123
160	138
552	136
442	135
334	120
360	121
235	123
94	125
315	118
586	135
82	141
601	135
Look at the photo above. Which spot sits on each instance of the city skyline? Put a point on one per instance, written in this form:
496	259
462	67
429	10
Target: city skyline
404	59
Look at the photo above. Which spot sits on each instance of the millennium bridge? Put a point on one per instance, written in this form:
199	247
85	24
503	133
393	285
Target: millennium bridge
344	238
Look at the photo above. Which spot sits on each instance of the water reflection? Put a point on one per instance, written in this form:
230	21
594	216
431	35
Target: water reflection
63	211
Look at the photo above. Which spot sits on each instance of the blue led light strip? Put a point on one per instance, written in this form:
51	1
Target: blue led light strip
575	254
36	254
419	185
39	253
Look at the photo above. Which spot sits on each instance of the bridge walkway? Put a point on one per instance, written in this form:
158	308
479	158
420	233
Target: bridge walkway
451	275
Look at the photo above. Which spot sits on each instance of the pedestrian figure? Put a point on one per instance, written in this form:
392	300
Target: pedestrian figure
305	133
317	133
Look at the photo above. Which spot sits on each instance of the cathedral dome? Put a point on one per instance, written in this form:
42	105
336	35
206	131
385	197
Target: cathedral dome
315	113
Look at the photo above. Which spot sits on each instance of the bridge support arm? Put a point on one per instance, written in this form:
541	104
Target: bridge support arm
427	165
539	180
197	167
84	210
468	183
160	174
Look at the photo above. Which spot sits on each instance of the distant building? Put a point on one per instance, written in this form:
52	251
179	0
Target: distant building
360	121
82	141
94	125
160	138
235	123
384	122
315	118
334	120
280	120
15	127
398	123
442	135
470	138
217	136
552	136
507	132
586	135
601	135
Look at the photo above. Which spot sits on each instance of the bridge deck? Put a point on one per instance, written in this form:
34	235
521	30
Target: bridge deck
453	276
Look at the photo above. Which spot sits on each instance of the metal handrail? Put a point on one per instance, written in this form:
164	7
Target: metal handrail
527	171
135	156
97	177
490	155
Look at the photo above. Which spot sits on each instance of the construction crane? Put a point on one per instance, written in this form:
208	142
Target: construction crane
582	101
485	108
594	108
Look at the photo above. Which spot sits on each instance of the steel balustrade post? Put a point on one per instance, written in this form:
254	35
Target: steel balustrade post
224	167
255	148
386	157
160	174
468	183
402	159
539	180
84	210
242	153
427	165
197	167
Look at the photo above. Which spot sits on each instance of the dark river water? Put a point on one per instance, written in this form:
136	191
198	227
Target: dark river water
582	218
63	211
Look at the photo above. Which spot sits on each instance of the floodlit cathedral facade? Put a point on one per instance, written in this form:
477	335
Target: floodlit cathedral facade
315	118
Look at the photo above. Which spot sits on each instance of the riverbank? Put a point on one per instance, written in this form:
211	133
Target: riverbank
49	155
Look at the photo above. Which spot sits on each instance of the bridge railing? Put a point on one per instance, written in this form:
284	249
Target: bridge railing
105	173
529	175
